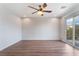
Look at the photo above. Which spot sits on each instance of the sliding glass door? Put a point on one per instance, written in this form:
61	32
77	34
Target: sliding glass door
72	31
69	31
77	31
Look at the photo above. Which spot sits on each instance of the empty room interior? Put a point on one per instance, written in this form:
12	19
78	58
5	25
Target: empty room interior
39	29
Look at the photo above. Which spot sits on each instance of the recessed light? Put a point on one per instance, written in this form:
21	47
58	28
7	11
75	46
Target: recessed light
62	7
27	20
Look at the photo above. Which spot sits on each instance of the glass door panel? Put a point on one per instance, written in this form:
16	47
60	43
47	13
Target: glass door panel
77	31
69	31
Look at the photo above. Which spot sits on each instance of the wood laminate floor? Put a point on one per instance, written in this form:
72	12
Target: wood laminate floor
40	48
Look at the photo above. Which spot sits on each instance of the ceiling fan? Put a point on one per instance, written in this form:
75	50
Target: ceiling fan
41	9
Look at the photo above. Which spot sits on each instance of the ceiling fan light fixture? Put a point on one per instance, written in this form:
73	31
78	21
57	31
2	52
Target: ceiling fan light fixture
44	8
44	5
41	10
40	13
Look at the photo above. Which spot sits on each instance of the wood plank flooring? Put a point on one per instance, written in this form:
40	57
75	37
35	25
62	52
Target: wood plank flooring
40	48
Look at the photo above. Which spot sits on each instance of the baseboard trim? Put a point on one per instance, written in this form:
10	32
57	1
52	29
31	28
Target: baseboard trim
1	49
41	39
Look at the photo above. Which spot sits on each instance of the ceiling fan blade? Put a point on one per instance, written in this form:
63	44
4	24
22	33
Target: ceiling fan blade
34	12
47	11
33	7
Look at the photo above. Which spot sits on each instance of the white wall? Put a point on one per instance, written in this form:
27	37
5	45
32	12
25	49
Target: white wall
62	29
10	28
40	29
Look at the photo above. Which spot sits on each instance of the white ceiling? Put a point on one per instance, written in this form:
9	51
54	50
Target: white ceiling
21	9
